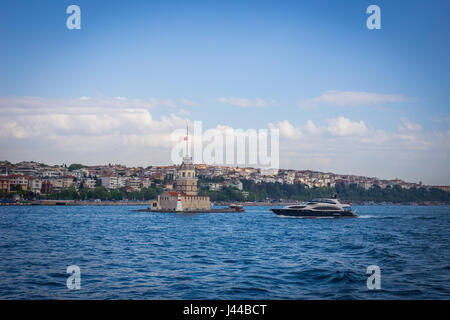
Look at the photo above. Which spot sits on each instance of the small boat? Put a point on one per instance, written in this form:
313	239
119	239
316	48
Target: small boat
237	207
317	208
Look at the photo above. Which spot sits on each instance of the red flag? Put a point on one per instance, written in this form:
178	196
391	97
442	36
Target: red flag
185	138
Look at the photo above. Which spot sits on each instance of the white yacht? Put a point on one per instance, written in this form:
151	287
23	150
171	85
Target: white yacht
317	208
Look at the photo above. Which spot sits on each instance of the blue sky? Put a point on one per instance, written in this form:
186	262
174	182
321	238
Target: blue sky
214	60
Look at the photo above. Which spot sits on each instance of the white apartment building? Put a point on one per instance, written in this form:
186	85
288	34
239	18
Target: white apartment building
214	186
134	183
51	173
89	183
110	182
61	183
122	181
35	185
146	182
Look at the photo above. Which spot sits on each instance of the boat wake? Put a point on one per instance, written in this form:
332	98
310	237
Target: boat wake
299	217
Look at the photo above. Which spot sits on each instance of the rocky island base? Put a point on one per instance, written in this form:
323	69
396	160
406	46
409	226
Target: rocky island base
231	208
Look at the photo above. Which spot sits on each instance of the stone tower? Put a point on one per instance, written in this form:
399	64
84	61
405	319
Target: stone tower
186	197
186	180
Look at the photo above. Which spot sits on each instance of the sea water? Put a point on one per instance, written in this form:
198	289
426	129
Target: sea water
122	254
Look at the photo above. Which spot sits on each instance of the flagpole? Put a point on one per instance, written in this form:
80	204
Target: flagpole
187	137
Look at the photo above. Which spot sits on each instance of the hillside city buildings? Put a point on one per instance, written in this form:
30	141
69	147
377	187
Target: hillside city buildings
40	178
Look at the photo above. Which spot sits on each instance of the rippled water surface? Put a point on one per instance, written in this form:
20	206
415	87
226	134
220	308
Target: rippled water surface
253	255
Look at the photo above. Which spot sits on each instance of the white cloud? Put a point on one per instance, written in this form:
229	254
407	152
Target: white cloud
189	103
184	112
409	126
344	127
346	146
155	102
287	130
352	99
11	129
342	132
70	119
340	126
246	103
110	130
310	127
77	106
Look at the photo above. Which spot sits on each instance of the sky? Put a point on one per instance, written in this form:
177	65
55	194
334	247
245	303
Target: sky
345	99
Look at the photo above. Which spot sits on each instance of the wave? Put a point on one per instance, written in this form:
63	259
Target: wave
369	216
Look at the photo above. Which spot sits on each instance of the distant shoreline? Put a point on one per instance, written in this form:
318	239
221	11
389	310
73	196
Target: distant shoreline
219	204
356	203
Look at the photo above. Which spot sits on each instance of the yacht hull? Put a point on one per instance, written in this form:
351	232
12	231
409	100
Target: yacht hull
314	213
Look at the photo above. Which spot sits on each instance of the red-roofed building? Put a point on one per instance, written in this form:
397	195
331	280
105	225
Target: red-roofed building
19	180
46	187
4	184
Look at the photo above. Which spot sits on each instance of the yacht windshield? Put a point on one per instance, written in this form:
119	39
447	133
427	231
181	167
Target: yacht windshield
329	201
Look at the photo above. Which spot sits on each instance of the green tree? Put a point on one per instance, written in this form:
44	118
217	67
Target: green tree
76	166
